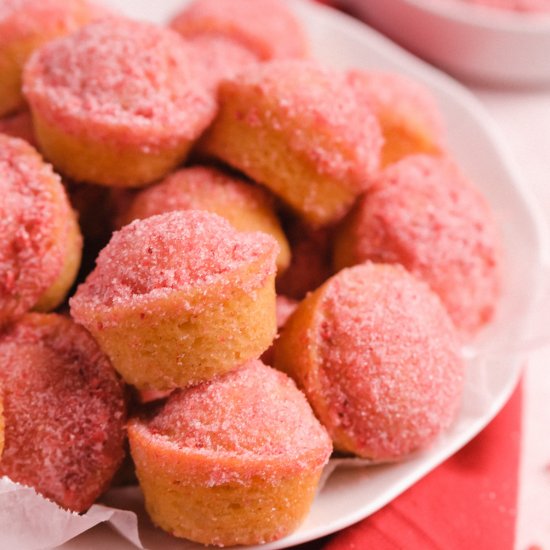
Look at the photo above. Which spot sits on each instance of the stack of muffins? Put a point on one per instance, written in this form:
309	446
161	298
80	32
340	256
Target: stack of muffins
237	205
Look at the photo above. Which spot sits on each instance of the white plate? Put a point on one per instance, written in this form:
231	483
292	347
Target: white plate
472	42
354	493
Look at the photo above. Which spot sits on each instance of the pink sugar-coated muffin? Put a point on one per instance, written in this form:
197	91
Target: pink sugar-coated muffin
18	125
235	460
64	411
378	359
179	298
266	28
301	130
310	264
40	247
118	103
424	214
408	114
220	57
246	207
526	6
24	26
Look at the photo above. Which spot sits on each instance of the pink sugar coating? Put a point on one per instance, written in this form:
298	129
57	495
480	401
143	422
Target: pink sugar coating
254	411
390	373
64	410
18	126
123	78
402	98
187	252
32	209
220	58
514	5
22	19
195	188
424	214
325	118
267	28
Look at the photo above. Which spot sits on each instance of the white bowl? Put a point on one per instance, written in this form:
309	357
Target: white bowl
472	42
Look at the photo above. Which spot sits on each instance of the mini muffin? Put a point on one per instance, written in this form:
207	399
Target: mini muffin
378	359
302	131
179	298
117	103
311	259
64	411
235	460
220	58
266	28
18	125
408	114
424	214
24	26
41	244
246	207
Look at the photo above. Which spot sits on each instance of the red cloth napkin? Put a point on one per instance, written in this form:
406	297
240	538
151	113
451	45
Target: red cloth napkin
469	502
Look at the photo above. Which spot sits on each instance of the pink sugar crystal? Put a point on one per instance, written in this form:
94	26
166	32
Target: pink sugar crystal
116	75
21	19
390	373
250	413
424	214
194	188
220	58
64	411
33	208
267	28
176	251
325	119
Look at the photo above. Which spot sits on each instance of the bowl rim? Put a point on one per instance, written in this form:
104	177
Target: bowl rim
484	17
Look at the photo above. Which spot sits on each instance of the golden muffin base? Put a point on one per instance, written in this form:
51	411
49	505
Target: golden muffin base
404	139
266	156
57	292
12	59
110	163
182	501
164	346
257	218
245	215
261	219
15	54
